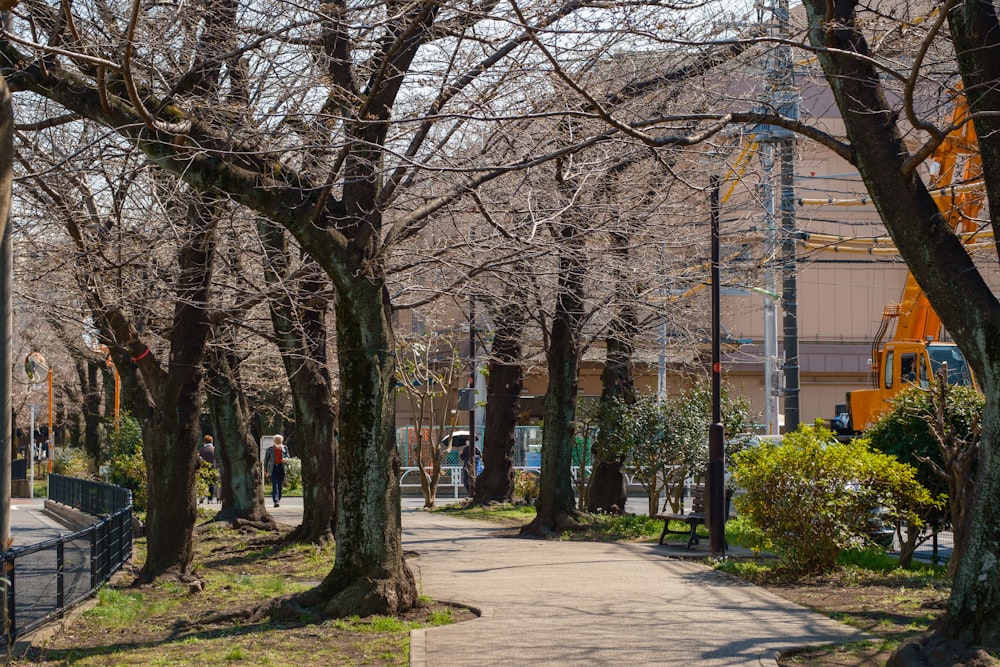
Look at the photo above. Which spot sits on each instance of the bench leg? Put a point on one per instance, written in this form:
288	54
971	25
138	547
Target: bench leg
666	524
693	538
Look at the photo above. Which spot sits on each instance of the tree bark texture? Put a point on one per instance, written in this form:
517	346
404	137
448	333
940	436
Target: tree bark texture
503	394
934	254
298	316
238	456
369	574
556	507
608	488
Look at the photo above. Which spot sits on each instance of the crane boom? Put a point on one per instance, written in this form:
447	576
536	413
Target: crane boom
914	352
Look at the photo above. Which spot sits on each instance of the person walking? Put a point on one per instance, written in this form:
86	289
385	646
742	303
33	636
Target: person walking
274	463
207	454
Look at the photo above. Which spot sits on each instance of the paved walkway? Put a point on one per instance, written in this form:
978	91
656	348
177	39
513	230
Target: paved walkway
579	603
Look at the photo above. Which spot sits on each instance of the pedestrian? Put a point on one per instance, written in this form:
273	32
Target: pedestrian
274	463
469	465
207	454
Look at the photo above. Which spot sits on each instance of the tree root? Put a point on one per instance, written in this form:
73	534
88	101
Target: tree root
544	527
193	583
933	649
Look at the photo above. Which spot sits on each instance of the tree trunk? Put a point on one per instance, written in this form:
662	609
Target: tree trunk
608	490
298	316
974	607
935	256
503	392
91	409
313	402
369	575
172	433
238	456
555	505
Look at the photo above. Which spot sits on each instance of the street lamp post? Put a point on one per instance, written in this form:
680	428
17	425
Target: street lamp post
31	455
716	433
34	363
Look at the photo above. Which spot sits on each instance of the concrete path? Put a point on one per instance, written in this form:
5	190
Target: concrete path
581	603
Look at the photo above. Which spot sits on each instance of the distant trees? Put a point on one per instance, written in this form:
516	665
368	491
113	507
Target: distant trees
428	372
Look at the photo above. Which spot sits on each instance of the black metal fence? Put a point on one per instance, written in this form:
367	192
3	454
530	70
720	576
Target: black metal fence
43	580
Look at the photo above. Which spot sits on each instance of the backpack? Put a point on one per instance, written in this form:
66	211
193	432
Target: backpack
279	455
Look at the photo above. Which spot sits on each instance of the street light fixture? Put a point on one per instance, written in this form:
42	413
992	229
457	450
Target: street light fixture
34	366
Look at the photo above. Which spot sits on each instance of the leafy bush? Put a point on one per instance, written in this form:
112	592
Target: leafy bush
810	497
526	485
938	432
126	466
905	433
293	473
666	441
73	462
208	475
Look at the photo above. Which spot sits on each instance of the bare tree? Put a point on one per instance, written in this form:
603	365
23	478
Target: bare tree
361	120
299	306
893	83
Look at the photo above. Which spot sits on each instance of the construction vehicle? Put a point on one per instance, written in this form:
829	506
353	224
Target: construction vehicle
916	350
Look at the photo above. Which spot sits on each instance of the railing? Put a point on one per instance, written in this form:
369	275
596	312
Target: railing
451	477
43	580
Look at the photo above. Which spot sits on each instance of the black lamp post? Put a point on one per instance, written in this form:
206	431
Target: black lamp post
716	433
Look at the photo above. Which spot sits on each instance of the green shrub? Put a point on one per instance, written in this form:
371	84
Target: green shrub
293	473
208	475
73	462
126	466
810	497
526	485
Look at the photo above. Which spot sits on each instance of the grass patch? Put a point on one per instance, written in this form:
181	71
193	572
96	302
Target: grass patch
500	513
172	624
591	528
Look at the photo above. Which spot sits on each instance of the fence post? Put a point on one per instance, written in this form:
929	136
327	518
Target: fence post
60	568
10	627
93	558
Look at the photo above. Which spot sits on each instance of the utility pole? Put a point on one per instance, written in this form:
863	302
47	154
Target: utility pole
472	402
6	318
772	382
781	96
789	289
6	364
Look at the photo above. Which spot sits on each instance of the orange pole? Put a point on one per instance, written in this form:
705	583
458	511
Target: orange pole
118	396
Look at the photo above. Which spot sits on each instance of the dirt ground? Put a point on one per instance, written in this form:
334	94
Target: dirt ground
890	607
171	623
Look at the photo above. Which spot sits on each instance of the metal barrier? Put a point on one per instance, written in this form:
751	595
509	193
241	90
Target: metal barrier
43	580
451	477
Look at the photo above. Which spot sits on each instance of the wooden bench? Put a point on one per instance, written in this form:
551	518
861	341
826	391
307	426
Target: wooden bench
693	519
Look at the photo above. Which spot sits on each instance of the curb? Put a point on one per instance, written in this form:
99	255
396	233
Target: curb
68	516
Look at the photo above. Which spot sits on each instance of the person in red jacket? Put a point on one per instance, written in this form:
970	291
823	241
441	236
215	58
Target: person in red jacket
274	463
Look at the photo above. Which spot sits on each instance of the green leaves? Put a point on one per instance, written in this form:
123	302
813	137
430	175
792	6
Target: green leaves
810	496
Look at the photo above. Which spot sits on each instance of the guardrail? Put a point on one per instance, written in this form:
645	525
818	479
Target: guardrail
451	477
43	580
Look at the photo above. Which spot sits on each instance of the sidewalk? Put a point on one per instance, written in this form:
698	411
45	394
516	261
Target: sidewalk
580	603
